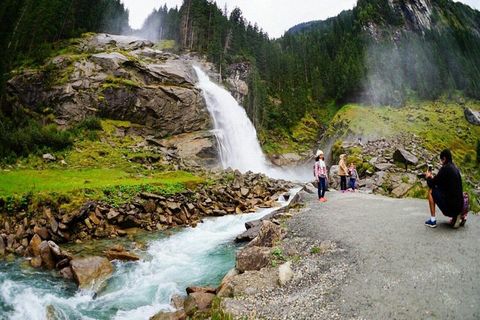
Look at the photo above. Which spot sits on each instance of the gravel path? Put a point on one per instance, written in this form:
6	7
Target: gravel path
397	268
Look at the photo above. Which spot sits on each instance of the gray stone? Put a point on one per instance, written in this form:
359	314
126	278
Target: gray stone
285	273
48	157
383	166
252	258
472	116
109	61
401	190
91	272
402	155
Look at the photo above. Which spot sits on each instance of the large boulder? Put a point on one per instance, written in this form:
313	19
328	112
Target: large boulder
34	246
177	315
200	147
334	178
268	236
2	247
91	272
472	116
198	301
403	156
253	258
47	255
401	190
119	253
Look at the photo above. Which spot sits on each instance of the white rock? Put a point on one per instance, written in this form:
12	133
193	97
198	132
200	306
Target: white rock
285	273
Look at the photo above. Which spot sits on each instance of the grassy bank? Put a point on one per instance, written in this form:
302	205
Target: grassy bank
109	167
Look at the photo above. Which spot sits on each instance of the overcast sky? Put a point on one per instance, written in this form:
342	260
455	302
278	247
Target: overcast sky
273	16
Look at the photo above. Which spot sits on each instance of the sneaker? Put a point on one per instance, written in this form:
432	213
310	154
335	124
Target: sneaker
456	222
462	222
322	200
325	200
430	223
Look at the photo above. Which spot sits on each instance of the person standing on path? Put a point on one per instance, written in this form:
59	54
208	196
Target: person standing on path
321	175
352	171
342	172
445	191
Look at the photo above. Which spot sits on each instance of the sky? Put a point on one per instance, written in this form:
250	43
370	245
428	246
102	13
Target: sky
273	16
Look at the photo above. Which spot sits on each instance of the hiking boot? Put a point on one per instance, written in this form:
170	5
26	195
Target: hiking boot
456	222
430	223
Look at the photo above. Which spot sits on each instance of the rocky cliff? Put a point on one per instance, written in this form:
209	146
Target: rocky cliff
120	78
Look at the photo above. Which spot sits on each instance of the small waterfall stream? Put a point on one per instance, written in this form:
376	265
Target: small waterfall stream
193	256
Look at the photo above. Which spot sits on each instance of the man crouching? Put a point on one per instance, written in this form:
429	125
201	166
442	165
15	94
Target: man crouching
445	191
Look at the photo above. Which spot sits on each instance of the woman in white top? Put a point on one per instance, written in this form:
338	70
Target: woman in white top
320	170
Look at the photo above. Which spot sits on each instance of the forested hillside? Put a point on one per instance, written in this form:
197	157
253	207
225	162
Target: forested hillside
29	29
376	53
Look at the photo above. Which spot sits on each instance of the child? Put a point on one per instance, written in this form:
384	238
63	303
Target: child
353	176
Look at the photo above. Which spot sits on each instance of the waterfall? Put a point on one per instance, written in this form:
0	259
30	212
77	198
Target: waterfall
237	138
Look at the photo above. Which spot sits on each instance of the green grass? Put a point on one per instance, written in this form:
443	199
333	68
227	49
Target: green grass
58	180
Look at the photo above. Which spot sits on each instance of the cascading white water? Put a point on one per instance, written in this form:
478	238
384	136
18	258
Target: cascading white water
137	290
236	135
237	138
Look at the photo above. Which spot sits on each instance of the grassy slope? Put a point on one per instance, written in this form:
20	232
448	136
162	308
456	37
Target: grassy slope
439	124
98	169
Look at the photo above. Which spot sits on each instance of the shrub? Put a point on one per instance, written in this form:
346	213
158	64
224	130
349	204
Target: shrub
90	123
478	151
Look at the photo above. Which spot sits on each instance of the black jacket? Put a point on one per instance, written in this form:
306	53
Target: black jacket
449	182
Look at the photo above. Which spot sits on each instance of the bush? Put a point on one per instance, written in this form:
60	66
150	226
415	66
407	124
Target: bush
478	151
21	136
90	123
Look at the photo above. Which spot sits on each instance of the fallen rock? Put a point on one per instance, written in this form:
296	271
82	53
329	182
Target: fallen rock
269	235
177	315
42	232
383	166
47	157
121	255
91	272
67	273
252	258
285	273
36	262
47	256
198	301
34	246
402	155
2	247
472	116
201	289
177	301
401	190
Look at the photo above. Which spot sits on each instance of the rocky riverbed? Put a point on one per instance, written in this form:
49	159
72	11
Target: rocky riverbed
36	235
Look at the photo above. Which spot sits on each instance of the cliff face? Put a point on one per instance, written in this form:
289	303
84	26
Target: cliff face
120	78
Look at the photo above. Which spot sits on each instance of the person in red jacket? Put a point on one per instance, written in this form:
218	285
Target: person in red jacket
445	191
